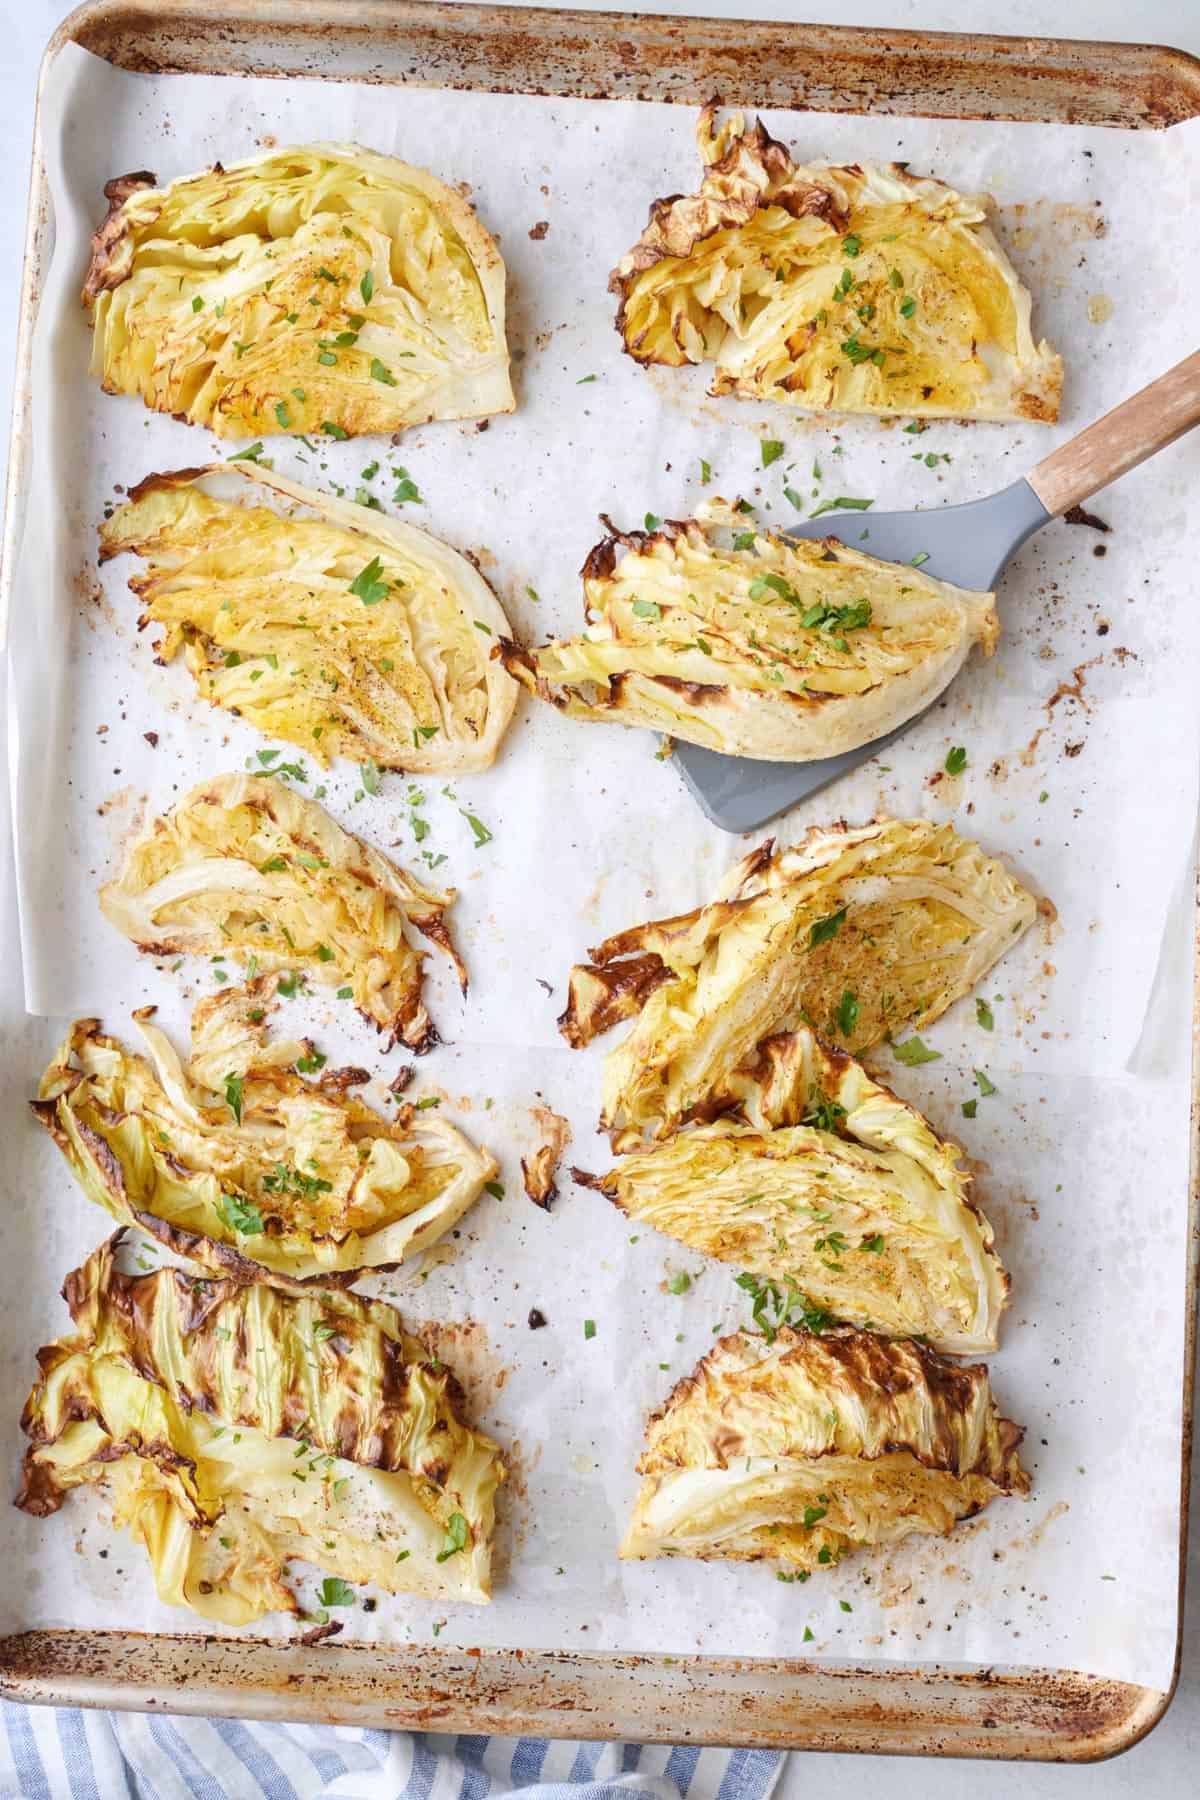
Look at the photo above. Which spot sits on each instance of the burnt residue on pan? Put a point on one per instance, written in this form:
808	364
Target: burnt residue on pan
593	56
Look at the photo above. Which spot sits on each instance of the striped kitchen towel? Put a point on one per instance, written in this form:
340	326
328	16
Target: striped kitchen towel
48	1754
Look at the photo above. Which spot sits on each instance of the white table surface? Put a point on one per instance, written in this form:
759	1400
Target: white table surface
1158	1768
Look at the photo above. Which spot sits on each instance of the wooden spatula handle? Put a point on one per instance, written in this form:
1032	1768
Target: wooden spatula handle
1122	439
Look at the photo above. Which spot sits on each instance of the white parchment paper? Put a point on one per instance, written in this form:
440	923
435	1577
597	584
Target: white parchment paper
1082	769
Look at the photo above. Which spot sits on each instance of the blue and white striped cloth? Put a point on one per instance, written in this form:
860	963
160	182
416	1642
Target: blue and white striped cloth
48	1754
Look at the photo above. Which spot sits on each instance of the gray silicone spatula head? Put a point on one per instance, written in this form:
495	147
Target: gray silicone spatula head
968	545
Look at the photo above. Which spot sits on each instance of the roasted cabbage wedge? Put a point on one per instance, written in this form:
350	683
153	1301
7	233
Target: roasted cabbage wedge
342	630
861	289
247	869
238	1427
808	1446
822	1176
243	1165
319	289
764	648
858	933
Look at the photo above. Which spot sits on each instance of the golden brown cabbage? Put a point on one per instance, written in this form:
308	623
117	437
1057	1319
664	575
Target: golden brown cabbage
858	933
240	1163
779	650
811	1445
321	288
246	868
853	289
238	1427
331	625
824	1179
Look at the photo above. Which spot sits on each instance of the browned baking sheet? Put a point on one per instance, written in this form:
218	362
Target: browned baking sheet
925	1710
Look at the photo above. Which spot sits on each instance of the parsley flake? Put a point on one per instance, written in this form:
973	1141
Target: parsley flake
822	930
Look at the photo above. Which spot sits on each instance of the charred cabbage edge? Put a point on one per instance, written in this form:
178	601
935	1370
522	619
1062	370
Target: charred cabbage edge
801	1451
236	1428
324	285
858	288
710	644
260	599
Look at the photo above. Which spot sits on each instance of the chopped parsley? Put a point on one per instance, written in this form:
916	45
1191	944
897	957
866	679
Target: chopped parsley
583	379
773	584
822	930
253	454
745	540
843	503
370	775
984	1015
824	1115
366	287
851	245
922	556
335	1592
283	416
495	1189
589	1328
912	1052
908	306
292	1181
956	761
647	609
406	488
794	498
456	1538
333	430
770	450
380	373
986	1084
856	352
705	472
233	1096
873	1244
652	521
847	1013
834	620
775	1304
970	1108
368	585
240	1215
679	1284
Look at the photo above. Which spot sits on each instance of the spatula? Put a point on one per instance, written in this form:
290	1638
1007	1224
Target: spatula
968	545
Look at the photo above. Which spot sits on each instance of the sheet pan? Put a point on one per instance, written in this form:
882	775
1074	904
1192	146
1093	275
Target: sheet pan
1117	990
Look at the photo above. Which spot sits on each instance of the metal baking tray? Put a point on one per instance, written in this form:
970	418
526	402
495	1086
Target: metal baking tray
927	1709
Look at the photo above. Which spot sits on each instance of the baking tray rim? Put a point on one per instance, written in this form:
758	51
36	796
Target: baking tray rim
1012	1713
